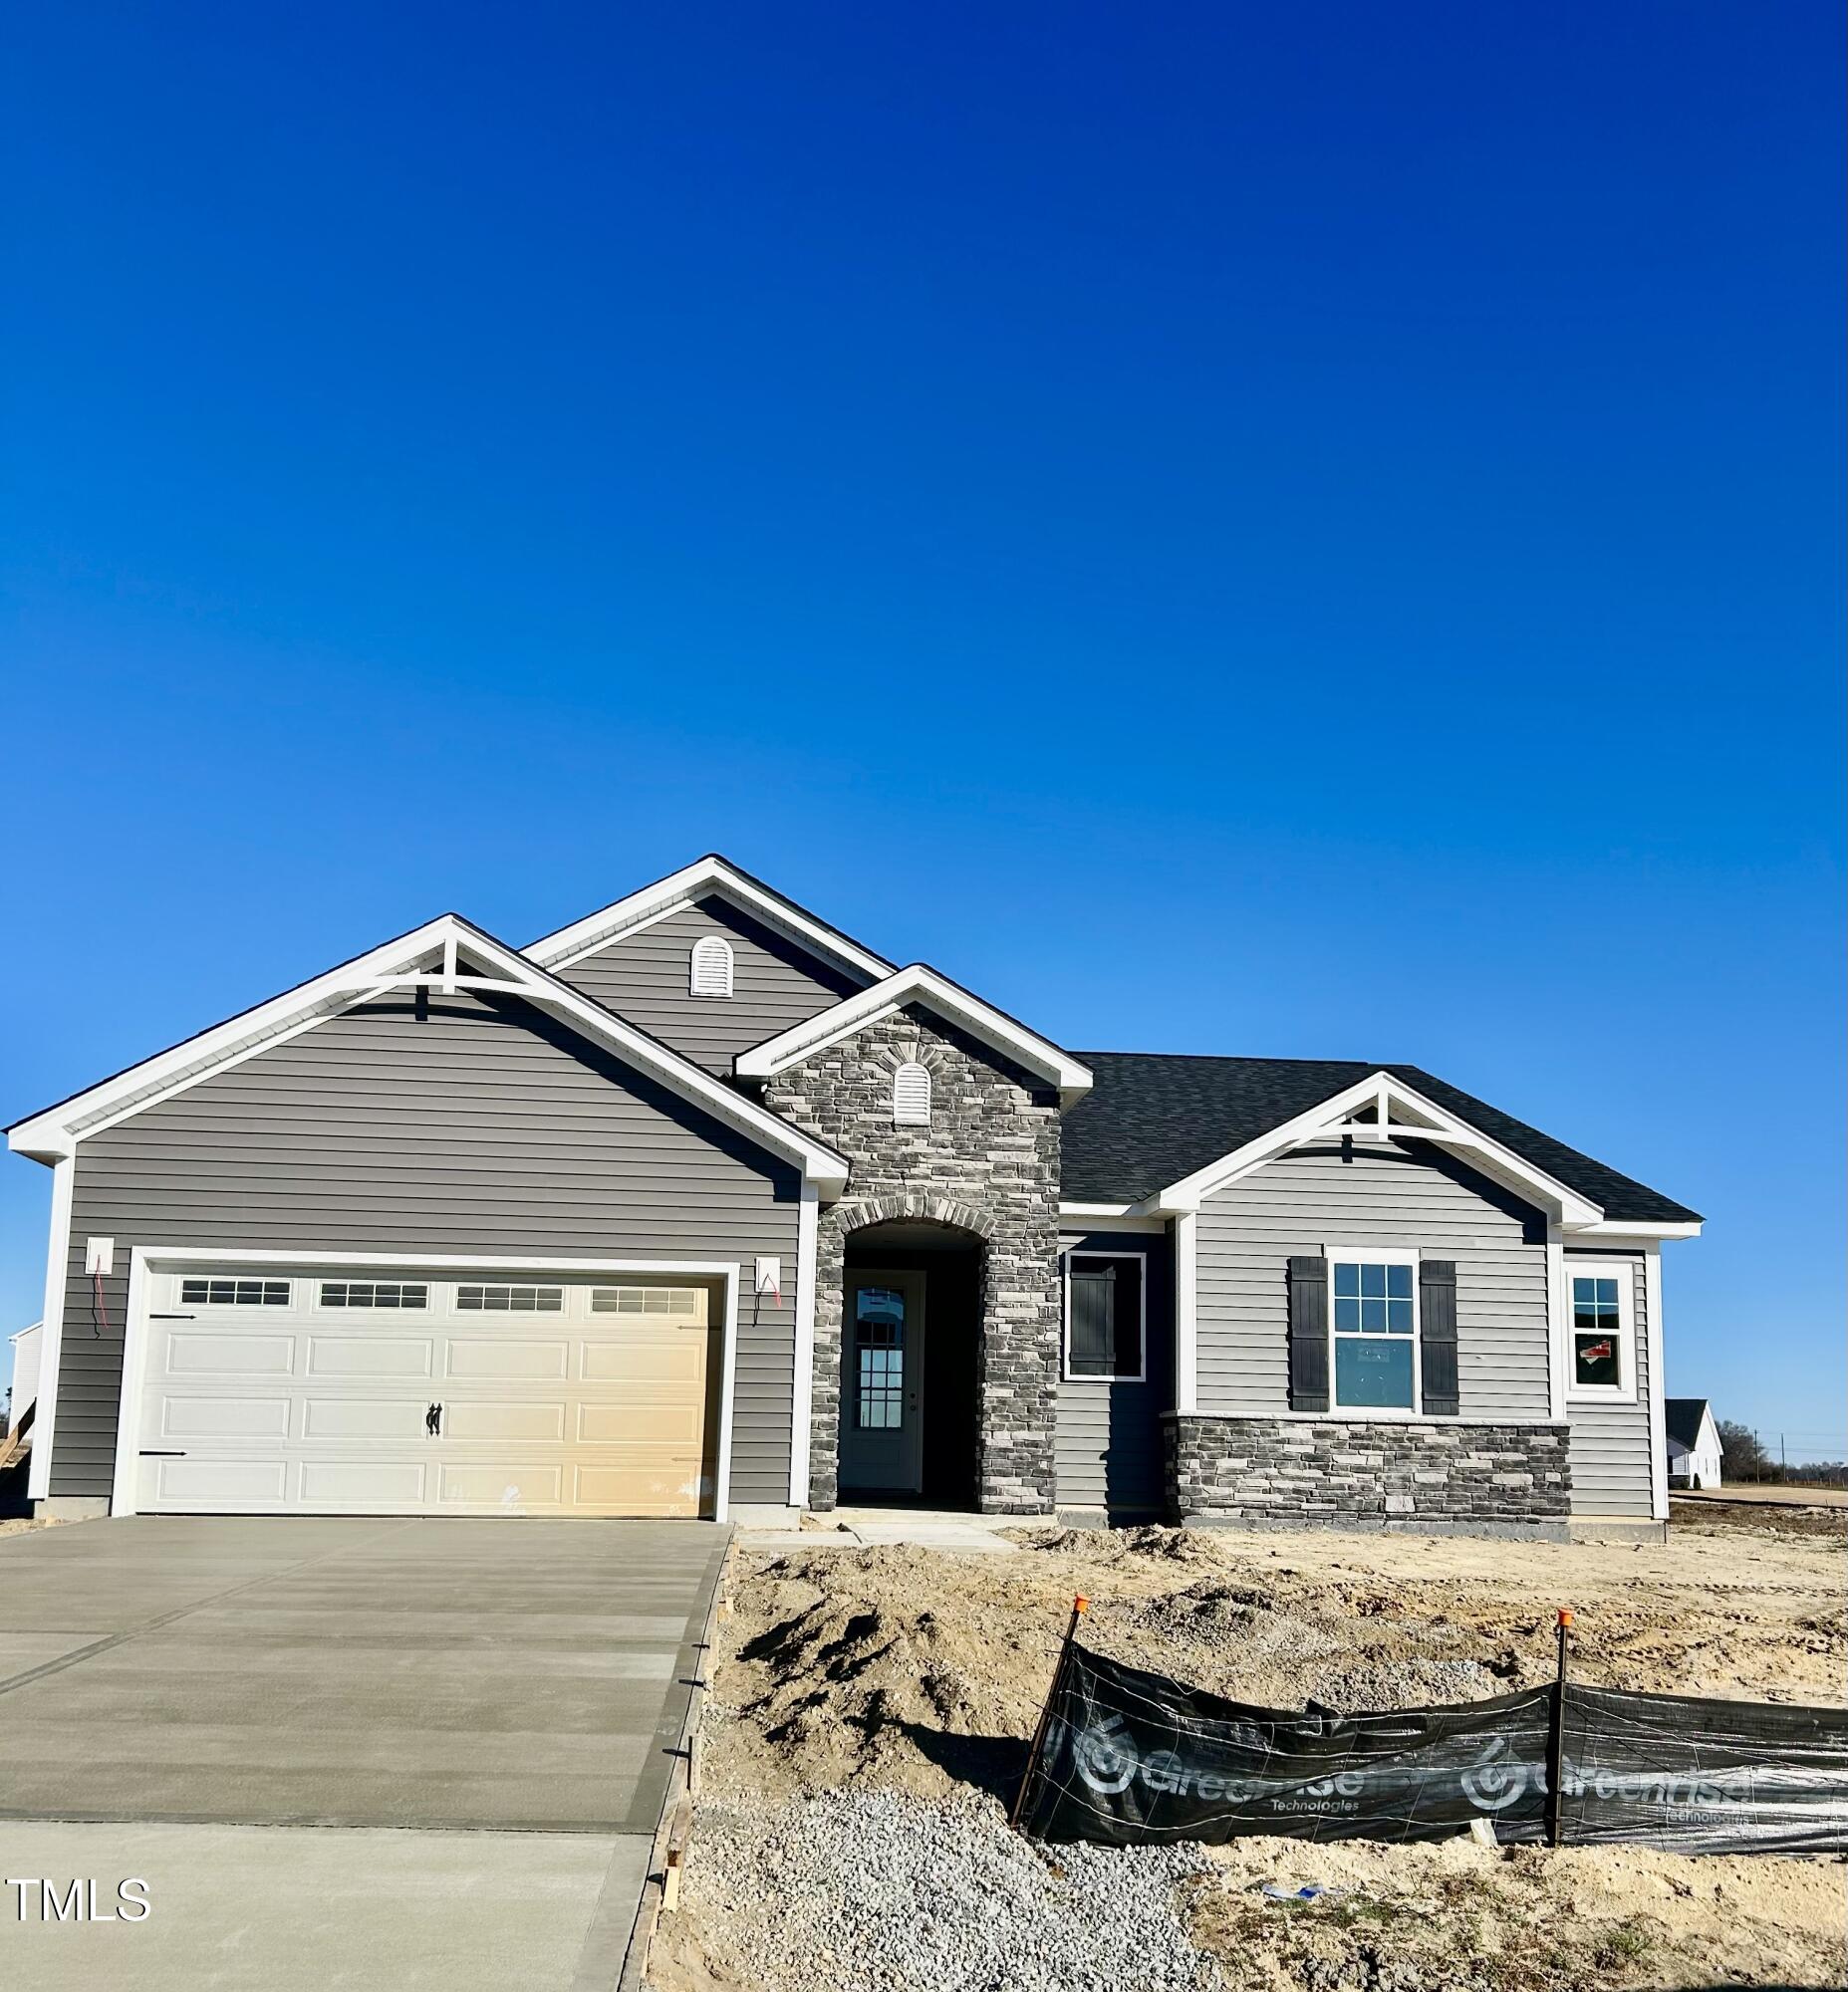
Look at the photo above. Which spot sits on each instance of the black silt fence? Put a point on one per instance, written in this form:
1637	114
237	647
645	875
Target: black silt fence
1132	1758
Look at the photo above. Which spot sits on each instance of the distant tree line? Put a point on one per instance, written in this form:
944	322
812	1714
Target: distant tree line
1746	1457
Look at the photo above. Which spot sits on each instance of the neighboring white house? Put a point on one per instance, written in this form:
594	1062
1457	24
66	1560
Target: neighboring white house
1694	1443
26	1346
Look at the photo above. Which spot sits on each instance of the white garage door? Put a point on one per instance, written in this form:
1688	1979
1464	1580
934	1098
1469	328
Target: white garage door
334	1393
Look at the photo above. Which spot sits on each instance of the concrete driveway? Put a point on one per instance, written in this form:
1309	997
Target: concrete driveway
341	1753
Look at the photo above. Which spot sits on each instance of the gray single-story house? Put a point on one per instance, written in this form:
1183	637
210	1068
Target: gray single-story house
699	1205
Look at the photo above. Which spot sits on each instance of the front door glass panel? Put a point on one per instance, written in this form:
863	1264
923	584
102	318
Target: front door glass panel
879	1344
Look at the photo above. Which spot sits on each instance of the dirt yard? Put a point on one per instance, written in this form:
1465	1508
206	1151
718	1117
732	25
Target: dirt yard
870	1706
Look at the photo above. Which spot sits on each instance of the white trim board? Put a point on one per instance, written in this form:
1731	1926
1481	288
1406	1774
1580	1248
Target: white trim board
1658	1385
682	889
918	984
802	1398
426	959
146	1260
56	1264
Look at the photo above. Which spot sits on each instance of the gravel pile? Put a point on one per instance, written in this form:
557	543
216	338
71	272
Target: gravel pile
1406	1684
874	1891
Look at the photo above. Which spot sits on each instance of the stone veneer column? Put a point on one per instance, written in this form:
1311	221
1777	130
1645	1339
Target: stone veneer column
988	1163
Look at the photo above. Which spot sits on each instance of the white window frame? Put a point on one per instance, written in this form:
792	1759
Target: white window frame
900	1118
1624	1391
1375	1255
710	947
1140	1376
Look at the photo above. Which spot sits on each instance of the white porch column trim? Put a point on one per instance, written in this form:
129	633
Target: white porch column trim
727	1392
1558	1322
1186	1335
803	1399
1658	1386
45	1419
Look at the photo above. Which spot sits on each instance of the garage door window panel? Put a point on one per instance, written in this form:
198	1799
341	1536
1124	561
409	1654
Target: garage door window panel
235	1292
509	1299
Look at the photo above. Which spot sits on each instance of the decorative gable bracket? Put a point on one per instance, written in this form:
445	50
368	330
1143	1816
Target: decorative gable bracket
1381	1109
921	985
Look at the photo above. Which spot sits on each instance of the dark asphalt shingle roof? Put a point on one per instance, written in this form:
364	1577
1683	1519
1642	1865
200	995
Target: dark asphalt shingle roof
1681	1417
1152	1117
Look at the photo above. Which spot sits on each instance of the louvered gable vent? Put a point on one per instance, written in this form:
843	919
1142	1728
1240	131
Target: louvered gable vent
712	968
910	1097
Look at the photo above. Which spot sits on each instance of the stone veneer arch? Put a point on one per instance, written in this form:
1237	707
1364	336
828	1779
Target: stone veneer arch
988	1163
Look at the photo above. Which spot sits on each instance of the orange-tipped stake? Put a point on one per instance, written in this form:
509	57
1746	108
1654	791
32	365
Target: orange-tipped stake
1556	1734
1080	1605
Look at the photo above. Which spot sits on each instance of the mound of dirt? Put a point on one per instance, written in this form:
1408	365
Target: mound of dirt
924	1671
900	1679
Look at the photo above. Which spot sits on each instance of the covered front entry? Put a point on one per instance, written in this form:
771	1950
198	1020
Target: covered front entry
910	1348
405	1389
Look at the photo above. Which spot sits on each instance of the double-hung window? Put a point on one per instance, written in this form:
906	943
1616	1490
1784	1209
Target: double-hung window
1106	1328
1601	1356
1373	1323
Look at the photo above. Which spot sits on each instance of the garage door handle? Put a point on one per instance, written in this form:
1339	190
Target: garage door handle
432	1420
147	1454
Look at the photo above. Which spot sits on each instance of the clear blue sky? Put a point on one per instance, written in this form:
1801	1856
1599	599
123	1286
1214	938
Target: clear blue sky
1294	530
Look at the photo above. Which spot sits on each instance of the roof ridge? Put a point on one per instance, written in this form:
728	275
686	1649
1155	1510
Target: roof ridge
1246	1057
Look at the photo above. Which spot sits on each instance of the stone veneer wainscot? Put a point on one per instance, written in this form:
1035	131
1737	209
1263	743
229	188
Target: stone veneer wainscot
988	1161
1352	1473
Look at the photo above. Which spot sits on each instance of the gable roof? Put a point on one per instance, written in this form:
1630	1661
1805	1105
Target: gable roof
704	877
432	955
1681	1417
924	985
1155	1118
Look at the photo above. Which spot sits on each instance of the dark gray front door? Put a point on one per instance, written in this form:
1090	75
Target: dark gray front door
882	1383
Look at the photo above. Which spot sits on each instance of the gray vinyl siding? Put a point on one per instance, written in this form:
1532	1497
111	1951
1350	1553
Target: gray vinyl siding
1609	1443
775	983
445	1125
1315	1198
1107	1439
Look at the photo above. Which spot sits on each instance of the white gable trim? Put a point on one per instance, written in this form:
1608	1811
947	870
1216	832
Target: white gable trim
681	890
1403	1114
918	984
429	957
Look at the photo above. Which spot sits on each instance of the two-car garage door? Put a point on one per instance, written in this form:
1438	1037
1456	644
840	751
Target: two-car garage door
313	1392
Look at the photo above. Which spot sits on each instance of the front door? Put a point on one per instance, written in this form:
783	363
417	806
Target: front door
882	1383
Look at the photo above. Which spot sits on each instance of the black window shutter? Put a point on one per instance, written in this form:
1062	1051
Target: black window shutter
1308	1335
1436	1306
1093	1343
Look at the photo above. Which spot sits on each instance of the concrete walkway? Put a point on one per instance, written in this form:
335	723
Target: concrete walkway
861	1528
353	1753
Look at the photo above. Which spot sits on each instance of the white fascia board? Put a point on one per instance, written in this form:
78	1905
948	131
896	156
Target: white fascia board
50	1136
680	888
54	1134
918	984
1324	1122
1617	1231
